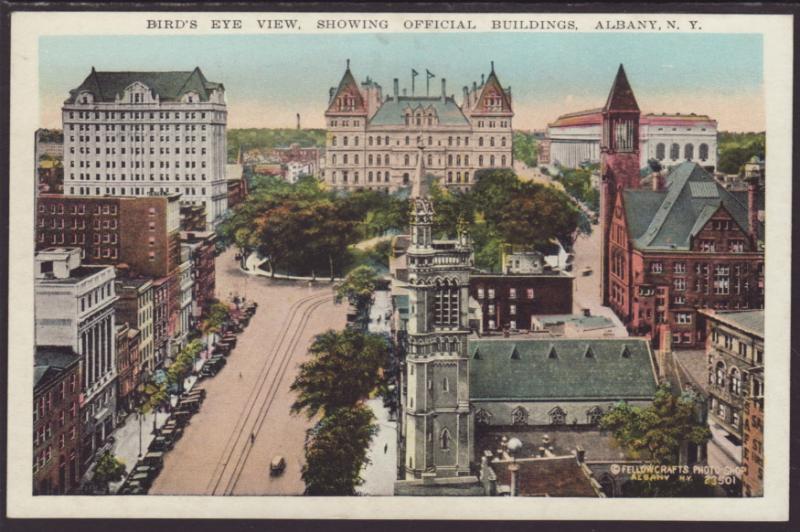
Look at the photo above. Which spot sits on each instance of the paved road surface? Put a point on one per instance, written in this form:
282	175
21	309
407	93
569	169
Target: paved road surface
215	455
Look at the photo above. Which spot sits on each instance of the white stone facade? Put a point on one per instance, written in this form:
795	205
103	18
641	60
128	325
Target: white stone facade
139	142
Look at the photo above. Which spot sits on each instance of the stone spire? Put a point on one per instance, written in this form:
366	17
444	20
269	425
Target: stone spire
418	189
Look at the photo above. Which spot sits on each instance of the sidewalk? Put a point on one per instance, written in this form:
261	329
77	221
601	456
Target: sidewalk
252	263
379	475
378	322
126	446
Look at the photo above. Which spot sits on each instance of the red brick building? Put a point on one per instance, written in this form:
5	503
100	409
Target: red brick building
681	244
508	301
141	232
128	366
203	252
56	423
753	453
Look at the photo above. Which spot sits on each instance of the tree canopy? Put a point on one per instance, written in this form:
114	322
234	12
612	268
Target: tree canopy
735	149
358	288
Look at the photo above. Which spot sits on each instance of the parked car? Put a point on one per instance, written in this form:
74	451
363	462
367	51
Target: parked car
587	271
277	466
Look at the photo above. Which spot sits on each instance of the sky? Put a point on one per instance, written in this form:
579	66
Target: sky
270	78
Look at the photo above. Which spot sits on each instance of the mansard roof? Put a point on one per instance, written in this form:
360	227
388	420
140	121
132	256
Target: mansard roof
621	97
105	86
533	375
393	111
669	219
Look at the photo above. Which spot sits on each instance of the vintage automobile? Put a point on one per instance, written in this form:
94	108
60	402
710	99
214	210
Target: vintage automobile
277	465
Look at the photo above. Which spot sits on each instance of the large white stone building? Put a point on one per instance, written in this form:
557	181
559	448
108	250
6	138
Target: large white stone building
147	133
574	138
74	306
373	142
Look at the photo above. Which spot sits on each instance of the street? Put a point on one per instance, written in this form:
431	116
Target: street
250	397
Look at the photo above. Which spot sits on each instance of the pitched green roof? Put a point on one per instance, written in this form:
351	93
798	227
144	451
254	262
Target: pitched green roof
559	369
751	321
669	219
392	112
168	85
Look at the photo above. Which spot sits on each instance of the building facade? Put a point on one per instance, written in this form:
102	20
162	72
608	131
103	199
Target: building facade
56	420
74	307
509	301
140	232
373	142
574	139
147	133
202	247
128	367
135	307
735	351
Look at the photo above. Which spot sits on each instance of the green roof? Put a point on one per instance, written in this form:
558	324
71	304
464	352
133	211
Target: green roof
668	219
105	86
392	112
540	370
751	321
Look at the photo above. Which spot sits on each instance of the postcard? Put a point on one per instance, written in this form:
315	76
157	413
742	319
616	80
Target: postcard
331	265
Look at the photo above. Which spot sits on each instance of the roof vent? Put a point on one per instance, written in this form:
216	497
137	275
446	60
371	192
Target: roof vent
626	353
514	353
588	353
477	354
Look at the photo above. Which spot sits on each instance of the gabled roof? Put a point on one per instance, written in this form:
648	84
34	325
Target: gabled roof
393	111
534	376
668	219
347	84
621	97
50	361
494	82
105	86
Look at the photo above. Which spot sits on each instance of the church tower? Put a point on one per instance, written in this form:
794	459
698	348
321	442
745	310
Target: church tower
619	155
438	426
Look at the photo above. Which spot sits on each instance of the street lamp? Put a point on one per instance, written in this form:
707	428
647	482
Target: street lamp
513	446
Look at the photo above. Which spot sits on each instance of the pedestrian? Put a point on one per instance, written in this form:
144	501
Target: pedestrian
385	448
252	438
240	374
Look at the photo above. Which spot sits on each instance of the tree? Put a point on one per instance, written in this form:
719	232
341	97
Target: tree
358	288
108	469
525	148
345	367
336	451
657	431
536	214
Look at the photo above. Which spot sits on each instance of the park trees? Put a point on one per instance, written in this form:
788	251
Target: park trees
108	469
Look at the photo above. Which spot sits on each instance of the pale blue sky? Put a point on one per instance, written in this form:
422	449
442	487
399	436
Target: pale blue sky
269	78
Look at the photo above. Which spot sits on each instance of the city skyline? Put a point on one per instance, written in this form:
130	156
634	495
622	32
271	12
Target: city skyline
269	89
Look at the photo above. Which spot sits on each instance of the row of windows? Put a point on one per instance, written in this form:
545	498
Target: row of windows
675	152
44	404
700	268
512	293
557	416
87	150
136	138
451	141
134	127
346	123
137	191
137	177
136	115
137	164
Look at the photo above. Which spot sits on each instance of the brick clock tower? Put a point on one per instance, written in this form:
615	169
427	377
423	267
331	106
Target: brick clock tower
619	155
438	424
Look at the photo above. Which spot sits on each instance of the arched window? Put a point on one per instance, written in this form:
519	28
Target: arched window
345	140
444	439
558	416
386	140
333	159
594	415
503	160
355	141
466	177
720	374
344	159
480	141
408	119
369	176
386	176
449	177
660	151
406	159
736	382
408	140
482	417
369	141
503	142
688	152
491	161
703	152
355	159
333	141
450	160
369	158
480	160
519	416
386	160
674	152
491	141
430	159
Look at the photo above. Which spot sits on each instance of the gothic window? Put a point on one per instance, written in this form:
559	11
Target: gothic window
558	416
688	152
593	415
703	152
519	416
482	417
444	439
674	152
660	151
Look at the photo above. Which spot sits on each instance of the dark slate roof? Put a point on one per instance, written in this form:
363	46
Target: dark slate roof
392	112
560	369
620	97
50	360
668	219
168	85
557	476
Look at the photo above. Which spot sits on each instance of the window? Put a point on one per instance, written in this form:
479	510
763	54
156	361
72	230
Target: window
656	267
679	268
558	416
722	279
512	309
482	417
708	245
674	152
444	439
480	293
512	293
719	374
736	246
529	293
519	416
688	152
735	382
660	151
594	415
703	152
446	384
683	318
679	284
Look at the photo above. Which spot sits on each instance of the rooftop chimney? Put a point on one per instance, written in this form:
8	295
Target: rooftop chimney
580	454
444	89
466	95
752	208
330	93
483	79
396	88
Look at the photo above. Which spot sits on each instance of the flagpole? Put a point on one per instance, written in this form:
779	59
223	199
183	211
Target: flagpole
412	82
